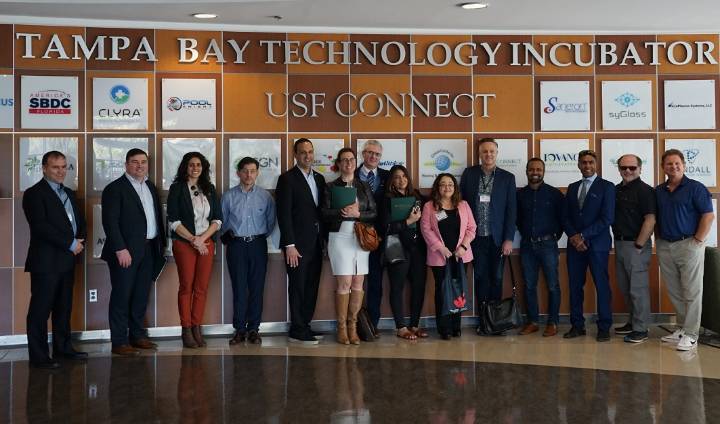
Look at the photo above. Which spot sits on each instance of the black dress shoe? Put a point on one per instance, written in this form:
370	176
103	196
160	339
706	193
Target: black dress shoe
254	337
46	365
574	332
603	336
73	355
456	333
237	338
445	336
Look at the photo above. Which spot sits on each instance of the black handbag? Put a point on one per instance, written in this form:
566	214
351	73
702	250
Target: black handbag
394	252
498	316
365	329
454	288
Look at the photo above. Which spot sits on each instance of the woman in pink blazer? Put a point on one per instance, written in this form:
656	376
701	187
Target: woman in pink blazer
448	227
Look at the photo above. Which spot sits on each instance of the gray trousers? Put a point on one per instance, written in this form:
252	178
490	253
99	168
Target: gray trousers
631	274
682	265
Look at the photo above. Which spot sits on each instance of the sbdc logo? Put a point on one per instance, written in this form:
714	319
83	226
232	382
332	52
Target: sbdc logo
50	102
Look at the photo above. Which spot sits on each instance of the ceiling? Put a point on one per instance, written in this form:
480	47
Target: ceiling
379	16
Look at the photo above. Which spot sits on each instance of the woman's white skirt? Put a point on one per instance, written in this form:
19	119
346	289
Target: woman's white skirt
346	256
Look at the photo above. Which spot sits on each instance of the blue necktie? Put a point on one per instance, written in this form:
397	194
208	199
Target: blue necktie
371	180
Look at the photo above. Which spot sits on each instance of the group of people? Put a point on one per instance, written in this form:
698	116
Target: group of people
473	221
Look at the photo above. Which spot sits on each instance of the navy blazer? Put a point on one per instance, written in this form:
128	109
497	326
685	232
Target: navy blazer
503	201
596	216
51	233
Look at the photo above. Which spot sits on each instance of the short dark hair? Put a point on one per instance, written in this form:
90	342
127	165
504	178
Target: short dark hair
134	152
52	154
247	160
639	161
344	150
587	153
672	152
487	140
527	165
300	141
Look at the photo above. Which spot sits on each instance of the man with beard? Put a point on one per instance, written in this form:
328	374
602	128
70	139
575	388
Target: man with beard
539	221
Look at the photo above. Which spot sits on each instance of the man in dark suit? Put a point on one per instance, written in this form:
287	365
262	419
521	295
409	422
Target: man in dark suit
134	246
590	210
298	195
376	178
491	193
57	236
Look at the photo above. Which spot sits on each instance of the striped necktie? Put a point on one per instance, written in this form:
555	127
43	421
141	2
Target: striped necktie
583	193
371	180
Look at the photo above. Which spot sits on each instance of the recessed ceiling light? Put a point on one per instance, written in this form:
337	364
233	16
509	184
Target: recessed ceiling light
473	5
204	15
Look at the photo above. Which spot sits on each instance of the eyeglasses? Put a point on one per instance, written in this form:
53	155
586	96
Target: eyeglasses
376	154
346	160
626	168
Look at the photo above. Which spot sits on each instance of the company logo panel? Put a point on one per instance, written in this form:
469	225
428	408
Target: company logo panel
188	104
49	102
7	101
565	105
120	103
627	105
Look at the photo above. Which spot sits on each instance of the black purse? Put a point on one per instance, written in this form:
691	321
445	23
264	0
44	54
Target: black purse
498	316
394	252
454	288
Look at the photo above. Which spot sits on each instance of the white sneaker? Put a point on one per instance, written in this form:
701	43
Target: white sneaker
687	343
674	337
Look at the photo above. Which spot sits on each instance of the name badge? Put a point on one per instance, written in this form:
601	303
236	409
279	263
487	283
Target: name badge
484	198
441	215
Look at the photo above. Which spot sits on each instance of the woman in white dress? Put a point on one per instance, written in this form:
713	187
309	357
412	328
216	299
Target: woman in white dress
348	260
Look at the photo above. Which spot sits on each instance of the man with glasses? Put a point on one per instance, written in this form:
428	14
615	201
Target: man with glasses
685	215
376	177
589	212
634	223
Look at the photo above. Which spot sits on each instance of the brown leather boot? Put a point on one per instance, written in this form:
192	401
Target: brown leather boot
197	335
188	339
341	309
356	299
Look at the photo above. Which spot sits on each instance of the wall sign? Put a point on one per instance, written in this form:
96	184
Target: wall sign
188	104
7	101
120	103
49	102
564	105
561	160
512	157
173	150
32	150
613	149
700	158
326	150
690	105
109	158
267	151
627	105
394	152
437	156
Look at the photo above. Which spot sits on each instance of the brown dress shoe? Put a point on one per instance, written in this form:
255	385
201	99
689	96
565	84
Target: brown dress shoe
237	338
550	330
125	350
254	337
143	344
529	329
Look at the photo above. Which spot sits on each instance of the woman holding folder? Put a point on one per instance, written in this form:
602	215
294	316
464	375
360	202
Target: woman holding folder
347	200
399	216
448	227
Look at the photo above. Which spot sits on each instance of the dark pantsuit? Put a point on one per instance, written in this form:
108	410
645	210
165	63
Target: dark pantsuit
577	264
487	269
51	292
247	263
374	285
445	323
303	283
129	297
413	270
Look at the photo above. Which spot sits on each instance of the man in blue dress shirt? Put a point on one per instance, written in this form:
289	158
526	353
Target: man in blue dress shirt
589	212
685	215
248	218
539	220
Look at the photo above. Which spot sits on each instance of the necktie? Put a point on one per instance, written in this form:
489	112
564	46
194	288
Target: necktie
371	180
583	193
62	194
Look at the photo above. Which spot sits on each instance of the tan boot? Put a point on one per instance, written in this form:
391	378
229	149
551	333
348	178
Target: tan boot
356	299
341	309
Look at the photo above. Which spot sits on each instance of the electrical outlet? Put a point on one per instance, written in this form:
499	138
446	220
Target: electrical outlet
92	295
92	391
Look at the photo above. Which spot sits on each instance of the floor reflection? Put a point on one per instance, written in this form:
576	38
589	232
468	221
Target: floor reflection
236	388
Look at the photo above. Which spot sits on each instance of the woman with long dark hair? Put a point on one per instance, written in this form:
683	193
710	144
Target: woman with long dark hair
349	262
194	216
448	227
412	268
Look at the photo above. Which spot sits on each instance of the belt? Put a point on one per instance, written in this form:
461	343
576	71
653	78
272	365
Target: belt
542	238
624	238
673	240
248	239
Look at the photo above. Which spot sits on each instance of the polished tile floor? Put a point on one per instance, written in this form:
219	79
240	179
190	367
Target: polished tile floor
471	379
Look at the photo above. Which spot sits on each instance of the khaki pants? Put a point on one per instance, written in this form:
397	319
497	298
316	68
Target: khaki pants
682	264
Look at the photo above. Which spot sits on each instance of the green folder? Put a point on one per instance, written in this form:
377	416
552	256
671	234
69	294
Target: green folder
342	196
400	208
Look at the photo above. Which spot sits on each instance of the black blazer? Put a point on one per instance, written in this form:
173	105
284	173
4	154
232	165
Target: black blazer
179	208
123	220
366	201
299	219
51	233
410	237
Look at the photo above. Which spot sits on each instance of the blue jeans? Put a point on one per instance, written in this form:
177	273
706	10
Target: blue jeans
543	255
